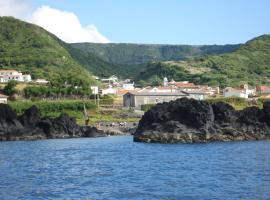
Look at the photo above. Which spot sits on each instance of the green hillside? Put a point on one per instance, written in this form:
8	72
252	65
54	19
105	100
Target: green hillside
31	49
101	67
136	54
249	64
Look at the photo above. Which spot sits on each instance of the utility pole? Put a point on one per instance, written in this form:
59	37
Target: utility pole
98	101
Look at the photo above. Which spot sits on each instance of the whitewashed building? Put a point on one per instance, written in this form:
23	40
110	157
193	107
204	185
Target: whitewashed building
232	92
128	86
94	89
243	92
3	99
42	81
138	98
8	75
112	79
109	90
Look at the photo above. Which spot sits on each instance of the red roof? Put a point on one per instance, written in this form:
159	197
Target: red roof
8	70
263	88
3	96
184	84
122	92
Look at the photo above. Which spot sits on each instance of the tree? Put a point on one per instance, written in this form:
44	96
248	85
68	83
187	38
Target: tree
10	88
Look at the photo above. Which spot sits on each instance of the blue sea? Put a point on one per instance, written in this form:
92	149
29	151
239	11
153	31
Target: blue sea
118	168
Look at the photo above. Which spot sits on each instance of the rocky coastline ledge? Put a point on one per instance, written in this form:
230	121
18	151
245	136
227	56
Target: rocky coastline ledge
191	121
30	126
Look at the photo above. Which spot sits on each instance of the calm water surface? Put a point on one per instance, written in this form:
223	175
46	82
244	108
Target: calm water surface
117	168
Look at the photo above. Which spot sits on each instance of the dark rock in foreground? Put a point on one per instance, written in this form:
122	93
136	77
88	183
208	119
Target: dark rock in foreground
190	121
30	126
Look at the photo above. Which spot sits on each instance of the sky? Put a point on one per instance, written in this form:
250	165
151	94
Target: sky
195	22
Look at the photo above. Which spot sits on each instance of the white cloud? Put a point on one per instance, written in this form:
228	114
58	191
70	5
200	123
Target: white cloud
15	8
66	26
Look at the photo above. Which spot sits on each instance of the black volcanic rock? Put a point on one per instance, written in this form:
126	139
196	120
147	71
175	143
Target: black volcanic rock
62	126
30	117
188	120
30	126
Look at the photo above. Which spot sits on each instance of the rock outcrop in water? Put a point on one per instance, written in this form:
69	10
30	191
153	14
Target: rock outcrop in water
30	126
190	121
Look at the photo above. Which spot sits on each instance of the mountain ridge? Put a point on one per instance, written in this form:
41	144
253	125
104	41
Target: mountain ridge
250	63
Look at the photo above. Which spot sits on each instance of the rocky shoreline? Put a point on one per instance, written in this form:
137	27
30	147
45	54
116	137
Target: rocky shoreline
191	121
31	126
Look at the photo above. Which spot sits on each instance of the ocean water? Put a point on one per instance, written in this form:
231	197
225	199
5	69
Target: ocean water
117	168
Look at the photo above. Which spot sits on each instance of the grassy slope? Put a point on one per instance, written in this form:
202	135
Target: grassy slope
249	64
127	60
134	54
31	49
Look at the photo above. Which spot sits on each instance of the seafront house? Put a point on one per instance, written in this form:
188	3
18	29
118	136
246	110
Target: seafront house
154	95
243	92
3	99
136	99
8	75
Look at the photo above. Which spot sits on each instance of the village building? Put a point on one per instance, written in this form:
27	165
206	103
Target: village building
136	99
154	96
109	90
128	86
3	99
243	92
264	89
111	80
197	94
233	92
94	89
185	85
42	81
8	75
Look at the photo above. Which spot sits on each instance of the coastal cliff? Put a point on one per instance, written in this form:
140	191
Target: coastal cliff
30	126
191	121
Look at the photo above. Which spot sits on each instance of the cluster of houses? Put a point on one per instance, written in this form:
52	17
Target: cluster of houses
8	75
168	91
171	90
136	97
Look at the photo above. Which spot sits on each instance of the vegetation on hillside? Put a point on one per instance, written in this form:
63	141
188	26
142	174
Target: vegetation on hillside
30	49
127	60
134	54
249	64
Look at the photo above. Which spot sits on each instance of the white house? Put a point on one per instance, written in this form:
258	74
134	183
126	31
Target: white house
94	89
109	90
8	75
111	79
27	78
128	86
42	81
160	89
197	94
3	99
232	92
